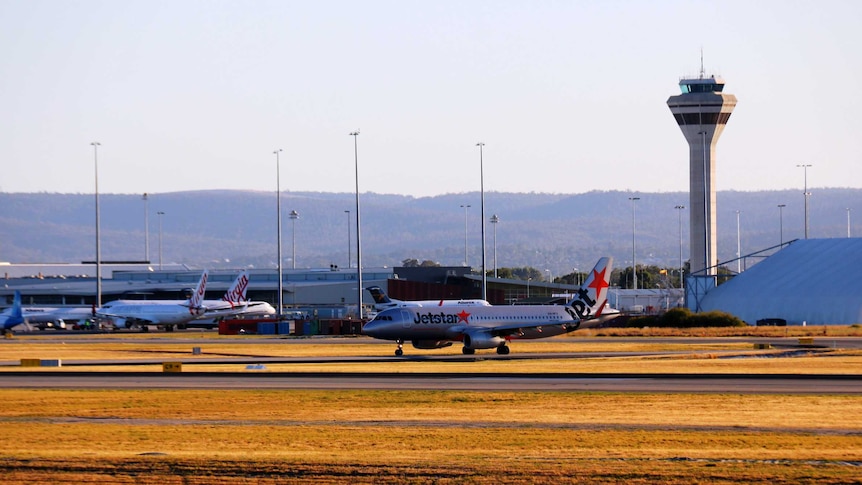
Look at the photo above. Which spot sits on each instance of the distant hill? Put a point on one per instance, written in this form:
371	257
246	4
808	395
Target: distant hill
547	231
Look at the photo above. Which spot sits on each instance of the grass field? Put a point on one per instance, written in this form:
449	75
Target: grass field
353	436
425	437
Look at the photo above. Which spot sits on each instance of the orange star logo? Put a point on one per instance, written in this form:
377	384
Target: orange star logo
463	316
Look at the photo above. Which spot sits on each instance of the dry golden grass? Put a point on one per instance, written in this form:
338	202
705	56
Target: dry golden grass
412	436
294	436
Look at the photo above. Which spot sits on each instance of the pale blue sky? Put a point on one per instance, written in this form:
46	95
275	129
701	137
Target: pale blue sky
568	96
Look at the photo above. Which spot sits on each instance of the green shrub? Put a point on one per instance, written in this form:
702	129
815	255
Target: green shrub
676	318
643	321
684	318
717	319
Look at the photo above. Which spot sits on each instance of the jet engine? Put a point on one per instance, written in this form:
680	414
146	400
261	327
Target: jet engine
431	344
482	340
197	311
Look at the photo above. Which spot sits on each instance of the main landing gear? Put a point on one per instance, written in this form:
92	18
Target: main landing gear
399	351
502	350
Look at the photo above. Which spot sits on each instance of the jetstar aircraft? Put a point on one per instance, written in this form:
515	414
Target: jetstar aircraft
488	327
383	302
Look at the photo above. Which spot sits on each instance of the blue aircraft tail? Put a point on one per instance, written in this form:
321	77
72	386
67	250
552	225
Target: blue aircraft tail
16	314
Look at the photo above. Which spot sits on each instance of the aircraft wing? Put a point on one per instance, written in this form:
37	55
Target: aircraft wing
522	328
227	311
121	320
519	330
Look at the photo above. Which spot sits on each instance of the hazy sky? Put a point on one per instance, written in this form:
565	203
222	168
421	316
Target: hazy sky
568	96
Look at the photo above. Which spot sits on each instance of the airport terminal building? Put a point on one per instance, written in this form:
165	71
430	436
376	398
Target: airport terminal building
328	292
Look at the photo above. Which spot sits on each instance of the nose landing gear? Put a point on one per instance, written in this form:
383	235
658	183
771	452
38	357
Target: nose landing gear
399	351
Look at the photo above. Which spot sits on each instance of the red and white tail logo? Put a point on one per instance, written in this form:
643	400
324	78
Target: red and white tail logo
237	291
197	299
591	297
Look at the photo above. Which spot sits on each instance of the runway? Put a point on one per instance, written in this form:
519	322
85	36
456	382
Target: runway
257	376
635	383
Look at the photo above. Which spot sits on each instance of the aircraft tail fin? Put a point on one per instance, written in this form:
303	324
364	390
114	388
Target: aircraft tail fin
197	299
237	291
378	295
17	310
16	313
593	294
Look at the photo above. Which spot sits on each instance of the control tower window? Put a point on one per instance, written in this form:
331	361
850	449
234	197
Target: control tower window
701	88
701	118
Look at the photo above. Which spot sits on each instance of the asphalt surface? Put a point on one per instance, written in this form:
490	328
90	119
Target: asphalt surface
261	379
257	376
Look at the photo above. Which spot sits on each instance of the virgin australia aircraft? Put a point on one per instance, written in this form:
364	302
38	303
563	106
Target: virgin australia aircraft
170	313
488	327
128	314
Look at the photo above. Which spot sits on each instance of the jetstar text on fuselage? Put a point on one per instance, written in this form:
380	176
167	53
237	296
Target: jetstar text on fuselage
441	318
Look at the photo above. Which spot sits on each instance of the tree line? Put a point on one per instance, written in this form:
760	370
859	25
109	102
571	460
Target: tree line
648	276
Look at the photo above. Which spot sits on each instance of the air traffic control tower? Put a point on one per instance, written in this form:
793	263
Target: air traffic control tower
701	111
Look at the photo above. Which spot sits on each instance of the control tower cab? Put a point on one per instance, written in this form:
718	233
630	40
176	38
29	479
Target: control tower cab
701	112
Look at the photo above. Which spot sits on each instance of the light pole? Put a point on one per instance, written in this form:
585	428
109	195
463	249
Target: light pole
160	214
482	214
805	192
293	217
96	145
465	207
146	229
781	223
707	236
349	256
738	247
355	135
679	209
634	264
848	222
494	221
280	297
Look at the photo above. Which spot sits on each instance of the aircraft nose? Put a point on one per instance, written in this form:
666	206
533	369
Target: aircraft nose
371	328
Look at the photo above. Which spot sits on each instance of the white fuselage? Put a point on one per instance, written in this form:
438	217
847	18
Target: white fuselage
126	314
448	322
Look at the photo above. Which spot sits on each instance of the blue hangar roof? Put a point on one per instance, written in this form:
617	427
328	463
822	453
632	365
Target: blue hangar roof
816	281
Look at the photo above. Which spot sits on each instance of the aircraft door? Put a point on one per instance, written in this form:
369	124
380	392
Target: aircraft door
406	319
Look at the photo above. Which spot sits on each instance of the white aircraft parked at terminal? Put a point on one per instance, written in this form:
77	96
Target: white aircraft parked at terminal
51	317
56	317
383	302
233	303
488	327
170	313
131	313
238	303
